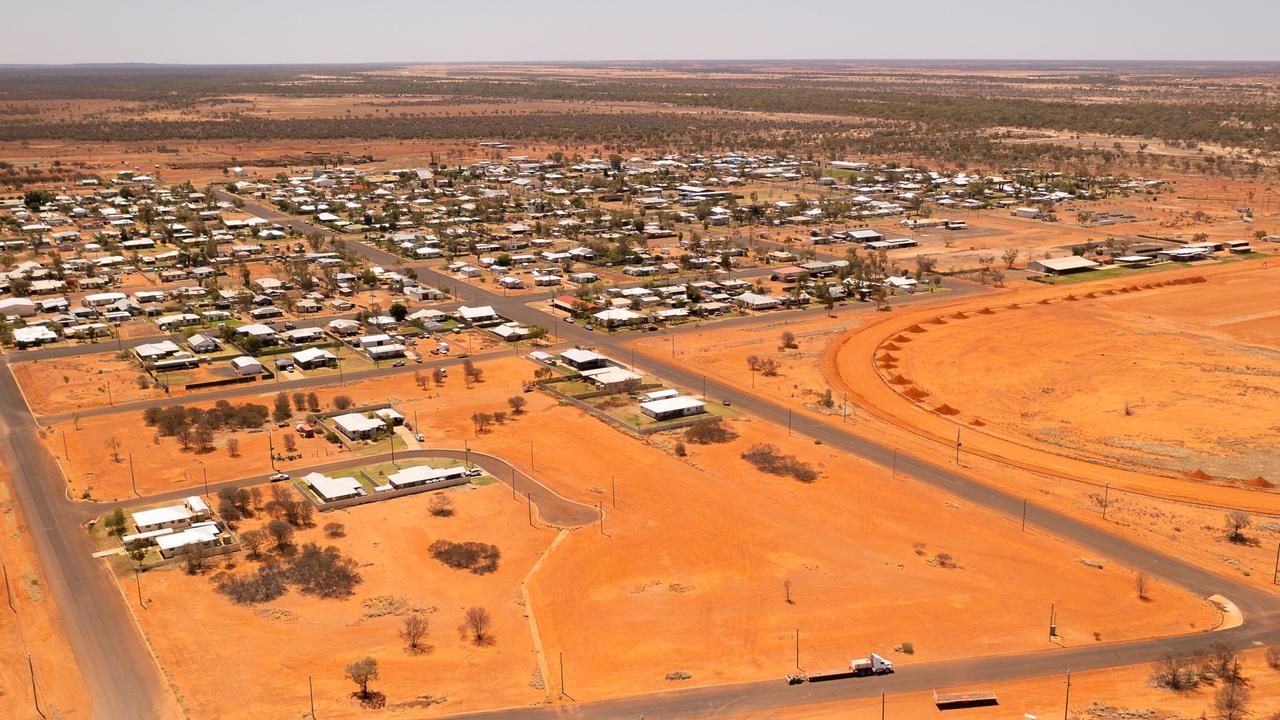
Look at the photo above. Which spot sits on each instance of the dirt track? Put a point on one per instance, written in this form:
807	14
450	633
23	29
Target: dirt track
848	365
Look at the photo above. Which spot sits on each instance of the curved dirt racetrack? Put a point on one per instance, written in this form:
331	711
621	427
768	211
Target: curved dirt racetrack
849	366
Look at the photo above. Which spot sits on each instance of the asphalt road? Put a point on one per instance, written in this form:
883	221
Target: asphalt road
125	682
553	509
118	669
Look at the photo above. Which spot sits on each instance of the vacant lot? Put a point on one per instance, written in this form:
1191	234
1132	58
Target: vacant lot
263	655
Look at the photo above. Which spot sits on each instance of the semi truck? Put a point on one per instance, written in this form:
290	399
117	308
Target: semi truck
872	664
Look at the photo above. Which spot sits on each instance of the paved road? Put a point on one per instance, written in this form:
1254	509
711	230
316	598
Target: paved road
553	509
117	666
125	683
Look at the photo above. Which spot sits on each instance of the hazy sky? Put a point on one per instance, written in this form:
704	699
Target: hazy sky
274	31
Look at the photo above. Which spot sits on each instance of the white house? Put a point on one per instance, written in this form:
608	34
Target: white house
331	489
357	426
673	407
246	365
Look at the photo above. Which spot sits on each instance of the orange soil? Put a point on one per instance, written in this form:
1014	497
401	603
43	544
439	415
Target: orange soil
1194	531
80	381
1125	689
1179	378
35	630
160	464
264	654
700	547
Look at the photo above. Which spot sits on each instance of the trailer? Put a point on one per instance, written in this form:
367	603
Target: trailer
873	664
952	700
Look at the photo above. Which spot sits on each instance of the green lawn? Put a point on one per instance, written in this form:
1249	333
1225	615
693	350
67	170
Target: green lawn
1117	272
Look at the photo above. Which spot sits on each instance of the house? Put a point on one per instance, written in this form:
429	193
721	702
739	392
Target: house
192	509
755	301
386	352
609	377
357	426
673	407
343	327
477	315
35	335
1184	254
422	293
263	333
426	475
1062	265
618	317
789	274
203	535
330	489
312	358
301	335
583	359
203	343
150	352
246	365
17	307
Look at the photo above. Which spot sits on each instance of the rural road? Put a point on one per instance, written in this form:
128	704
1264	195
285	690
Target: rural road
126	683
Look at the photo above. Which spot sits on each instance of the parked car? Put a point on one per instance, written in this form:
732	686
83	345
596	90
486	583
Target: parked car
569	320
277	477
398	363
419	437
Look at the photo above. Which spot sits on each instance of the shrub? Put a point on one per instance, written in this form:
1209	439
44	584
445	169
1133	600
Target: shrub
479	558
323	572
334	530
767	458
709	432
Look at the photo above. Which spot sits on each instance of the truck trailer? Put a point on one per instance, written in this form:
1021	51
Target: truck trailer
873	664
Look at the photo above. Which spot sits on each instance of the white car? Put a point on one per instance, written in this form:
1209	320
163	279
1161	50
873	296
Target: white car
419	437
277	477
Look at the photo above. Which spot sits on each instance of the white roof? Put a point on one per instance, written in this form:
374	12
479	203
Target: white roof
313	354
190	536
357	423
475	313
616	314
424	474
329	488
577	355
1074	262
610	375
666	405
166	514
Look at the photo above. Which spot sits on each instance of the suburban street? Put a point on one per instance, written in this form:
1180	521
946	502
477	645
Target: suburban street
125	681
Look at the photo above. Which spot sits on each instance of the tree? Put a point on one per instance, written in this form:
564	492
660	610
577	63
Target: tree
113	444
477	623
413	629
1237	522
233	447
290	442
283	410
1010	257
342	402
437	376
252	542
361	672
471	372
194	558
517	403
299	400
313	402
441	505
1232	701
281	532
788	340
114	522
481	421
1140	582
399	312
770	367
334	530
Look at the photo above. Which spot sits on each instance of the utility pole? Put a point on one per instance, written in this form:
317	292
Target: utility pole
137	580
704	387
1024	515
311	691
528	498
844	407
109	393
205	468
1066	706
1275	576
882	705
600	509
788	422
65	453
1053	622
133	480
7	592
35	697
513	482
531	467
957	446
271	449
613	490
1106	498
562	693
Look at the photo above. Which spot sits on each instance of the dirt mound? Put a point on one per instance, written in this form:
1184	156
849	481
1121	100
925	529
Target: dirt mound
1199	475
1125	290
937	321
888	366
888	357
916	393
1044	301
986	311
1260	482
1072	298
916	329
1092	295
891	346
977	422
1111	292
945	409
899	380
960	316
1014	306
900	338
